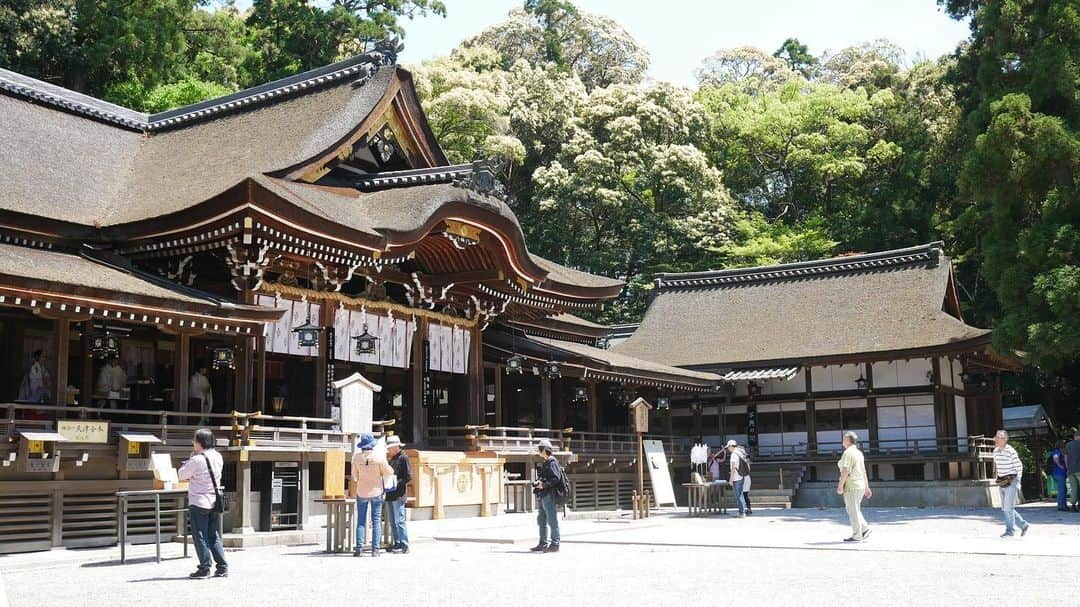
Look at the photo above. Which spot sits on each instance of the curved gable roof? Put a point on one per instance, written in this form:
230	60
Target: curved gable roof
847	306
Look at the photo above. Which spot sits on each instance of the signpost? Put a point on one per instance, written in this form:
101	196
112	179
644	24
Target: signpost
639	409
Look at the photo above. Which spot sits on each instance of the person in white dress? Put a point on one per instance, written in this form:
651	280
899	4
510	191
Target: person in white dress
111	380
200	388
35	384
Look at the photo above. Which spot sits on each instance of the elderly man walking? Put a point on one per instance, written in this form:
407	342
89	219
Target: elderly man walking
854	486
1009	470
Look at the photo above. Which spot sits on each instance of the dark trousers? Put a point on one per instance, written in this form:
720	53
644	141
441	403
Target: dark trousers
206	534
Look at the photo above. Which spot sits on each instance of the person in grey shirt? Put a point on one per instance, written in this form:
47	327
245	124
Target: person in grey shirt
1072	465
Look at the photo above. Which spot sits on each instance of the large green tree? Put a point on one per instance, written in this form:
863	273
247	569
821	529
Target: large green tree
1017	81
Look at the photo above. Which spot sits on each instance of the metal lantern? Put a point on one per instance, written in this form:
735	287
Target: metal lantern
515	364
581	394
365	342
552	369
753	388
223	358
861	383
663	403
307	335
104	345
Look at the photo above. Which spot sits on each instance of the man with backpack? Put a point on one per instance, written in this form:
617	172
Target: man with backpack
551	488
739	479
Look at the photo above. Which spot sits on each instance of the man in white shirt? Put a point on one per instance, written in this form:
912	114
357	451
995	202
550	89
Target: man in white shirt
203	472
201	389
1009	470
739	466
111	380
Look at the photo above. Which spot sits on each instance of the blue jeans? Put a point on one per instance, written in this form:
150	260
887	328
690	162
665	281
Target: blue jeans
363	505
740	496
397	522
1008	507
206	535
548	516
1062	491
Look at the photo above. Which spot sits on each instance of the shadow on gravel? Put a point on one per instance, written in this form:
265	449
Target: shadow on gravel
131	561
163	578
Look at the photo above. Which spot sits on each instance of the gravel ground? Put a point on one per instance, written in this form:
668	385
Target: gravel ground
916	557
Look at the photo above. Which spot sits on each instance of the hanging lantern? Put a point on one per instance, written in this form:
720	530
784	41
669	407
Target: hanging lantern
104	345
581	394
365	342
307	334
515	364
223	358
663	403
753	388
862	383
552	370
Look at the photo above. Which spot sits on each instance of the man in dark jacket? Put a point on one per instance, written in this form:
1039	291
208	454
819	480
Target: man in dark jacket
549	480
395	499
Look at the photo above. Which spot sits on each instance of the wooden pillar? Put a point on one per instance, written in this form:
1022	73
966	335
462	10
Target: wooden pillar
593	407
63	343
498	395
183	372
545	402
475	383
86	387
871	408
243	493
259	373
324	357
811	413
417	413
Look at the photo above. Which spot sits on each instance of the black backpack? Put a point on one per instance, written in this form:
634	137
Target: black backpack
562	492
744	464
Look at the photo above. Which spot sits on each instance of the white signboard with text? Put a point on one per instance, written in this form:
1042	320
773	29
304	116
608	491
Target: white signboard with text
659	473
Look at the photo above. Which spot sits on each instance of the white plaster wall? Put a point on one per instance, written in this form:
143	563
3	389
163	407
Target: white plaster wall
836	377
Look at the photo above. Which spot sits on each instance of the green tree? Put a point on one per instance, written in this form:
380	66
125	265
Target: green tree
797	56
595	48
1017	84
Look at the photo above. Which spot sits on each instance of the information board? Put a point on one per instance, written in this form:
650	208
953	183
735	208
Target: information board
82	431
659	473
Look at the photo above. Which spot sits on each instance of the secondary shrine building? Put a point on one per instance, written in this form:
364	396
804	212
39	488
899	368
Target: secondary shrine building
873	343
223	264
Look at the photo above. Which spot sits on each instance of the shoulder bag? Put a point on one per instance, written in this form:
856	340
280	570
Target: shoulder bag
221	503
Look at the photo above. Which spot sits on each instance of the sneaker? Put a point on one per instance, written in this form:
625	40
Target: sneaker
358	553
200	574
376	552
221	573
1023	531
404	549
866	534
391	548
539	548
1007	534
852	539
552	548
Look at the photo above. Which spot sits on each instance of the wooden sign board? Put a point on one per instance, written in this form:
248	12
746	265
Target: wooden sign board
640	410
356	403
334	474
83	431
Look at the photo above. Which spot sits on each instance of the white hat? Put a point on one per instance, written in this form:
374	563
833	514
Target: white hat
731	443
545	444
394	441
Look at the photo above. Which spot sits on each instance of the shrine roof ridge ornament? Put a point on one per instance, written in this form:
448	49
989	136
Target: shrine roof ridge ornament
360	68
928	255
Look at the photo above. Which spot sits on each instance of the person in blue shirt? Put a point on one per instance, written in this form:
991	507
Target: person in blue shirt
1060	473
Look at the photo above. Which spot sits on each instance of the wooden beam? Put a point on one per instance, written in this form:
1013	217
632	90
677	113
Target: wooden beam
475	391
260	373
593	406
63	345
498	395
545	402
183	371
86	386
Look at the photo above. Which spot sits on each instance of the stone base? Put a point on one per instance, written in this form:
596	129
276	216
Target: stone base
910	494
274	538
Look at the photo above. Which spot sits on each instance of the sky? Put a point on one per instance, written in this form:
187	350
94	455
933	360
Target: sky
680	33
684	32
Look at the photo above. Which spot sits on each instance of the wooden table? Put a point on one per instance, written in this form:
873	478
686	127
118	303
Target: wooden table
339	523
706	498
122	498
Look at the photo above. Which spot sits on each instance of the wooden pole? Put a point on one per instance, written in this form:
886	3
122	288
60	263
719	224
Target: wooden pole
640	463
86	388
183	372
63	343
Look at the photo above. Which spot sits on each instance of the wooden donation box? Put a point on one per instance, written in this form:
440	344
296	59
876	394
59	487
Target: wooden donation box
40	451
455	484
136	452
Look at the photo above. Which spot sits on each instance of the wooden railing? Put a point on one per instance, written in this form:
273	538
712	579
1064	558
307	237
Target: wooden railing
523	440
176	427
968	447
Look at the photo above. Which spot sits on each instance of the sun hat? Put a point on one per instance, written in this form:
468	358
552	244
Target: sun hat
394	441
545	444
367	442
731	443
